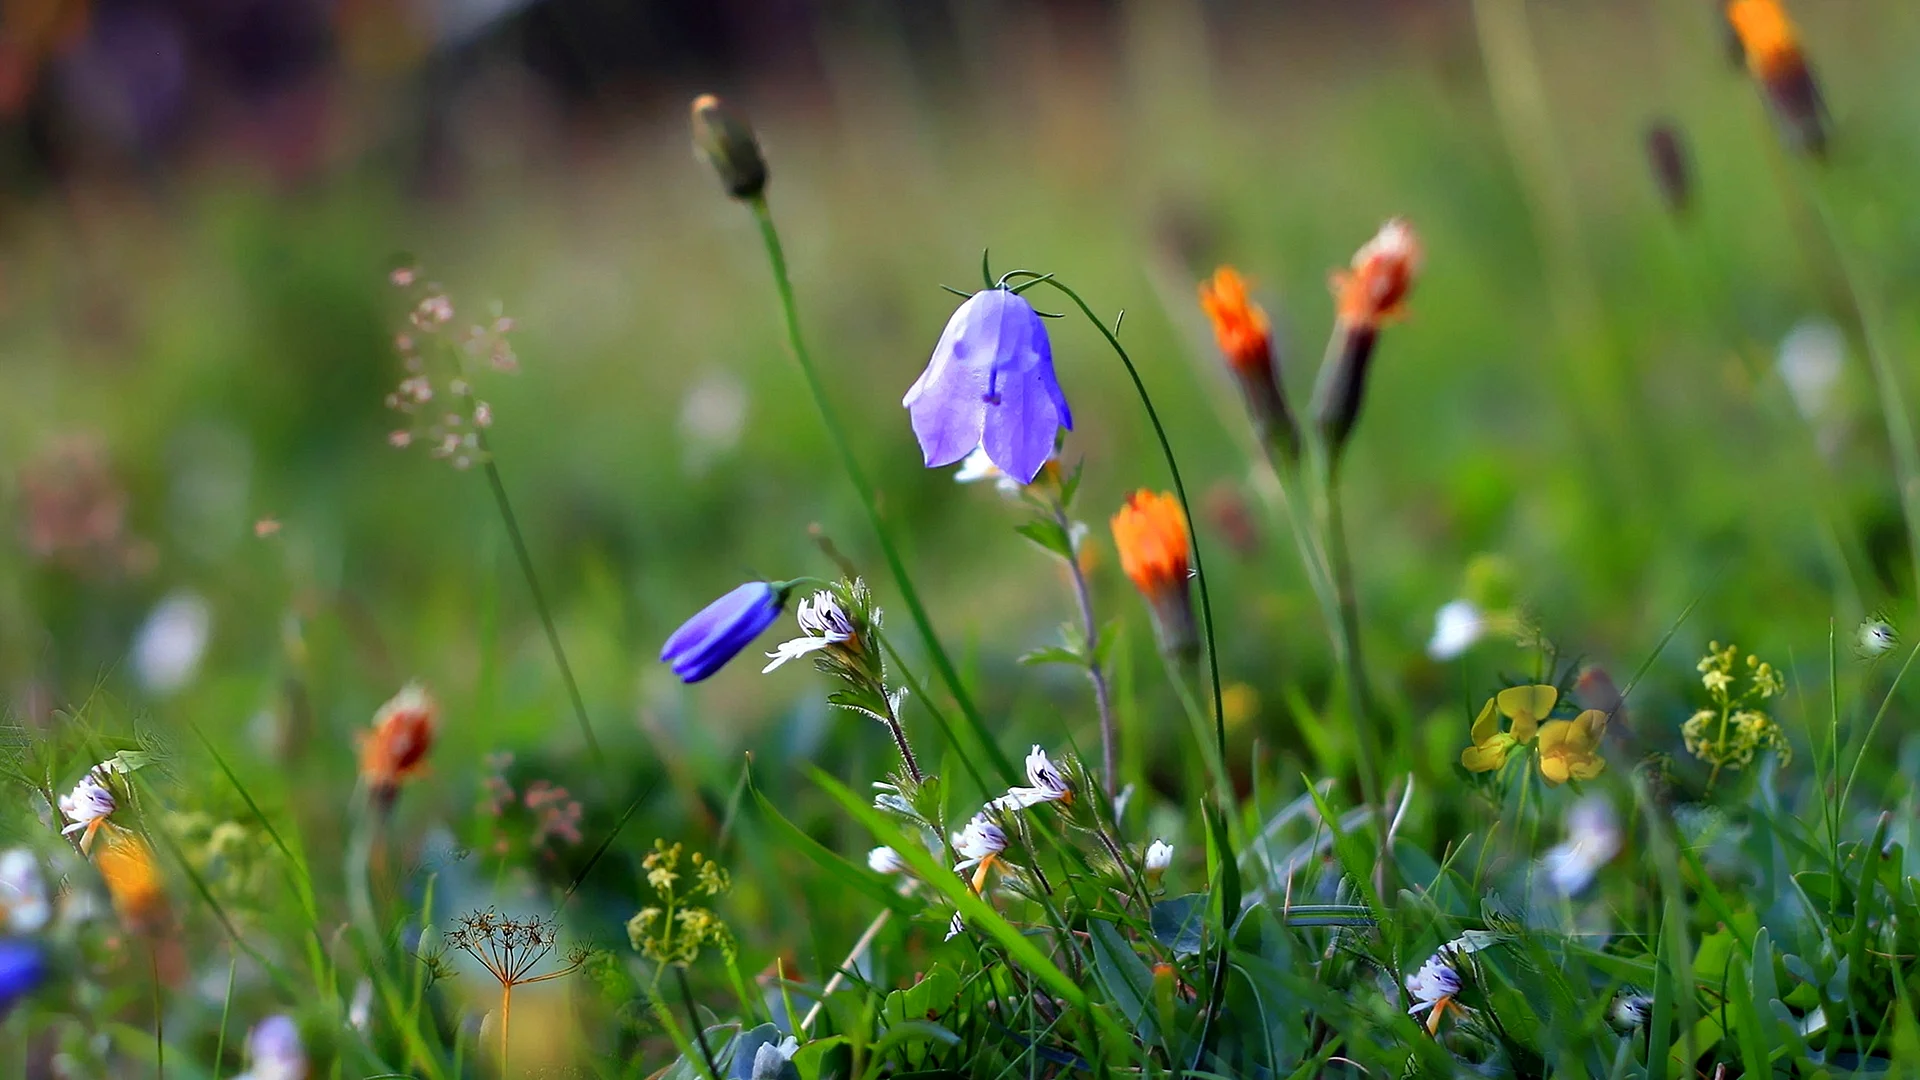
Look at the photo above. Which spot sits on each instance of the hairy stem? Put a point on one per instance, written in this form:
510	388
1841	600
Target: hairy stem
1102	699
790	310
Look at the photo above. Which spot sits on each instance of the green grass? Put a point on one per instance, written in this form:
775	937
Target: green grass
1580	421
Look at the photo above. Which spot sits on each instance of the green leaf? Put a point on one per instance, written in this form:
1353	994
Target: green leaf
1052	654
1223	870
1047	533
913	1031
1126	978
858	878
1178	923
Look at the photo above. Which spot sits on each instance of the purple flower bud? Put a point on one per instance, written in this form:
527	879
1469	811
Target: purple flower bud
704	643
991	385
22	968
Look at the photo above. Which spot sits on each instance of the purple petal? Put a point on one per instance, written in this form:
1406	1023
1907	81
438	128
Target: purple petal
1020	430
704	643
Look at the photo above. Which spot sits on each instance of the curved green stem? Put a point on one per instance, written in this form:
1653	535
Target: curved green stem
1180	492
789	307
1102	699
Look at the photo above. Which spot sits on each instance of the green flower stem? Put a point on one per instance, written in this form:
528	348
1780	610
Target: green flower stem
1180	491
1351	659
1102	699
790	310
505	506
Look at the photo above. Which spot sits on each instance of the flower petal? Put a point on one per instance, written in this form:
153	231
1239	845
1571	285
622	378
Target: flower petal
1485	726
1534	701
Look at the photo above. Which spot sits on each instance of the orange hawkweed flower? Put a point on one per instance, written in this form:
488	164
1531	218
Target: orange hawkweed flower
1150	532
1382	274
1771	45
127	865
1246	338
396	749
1239	325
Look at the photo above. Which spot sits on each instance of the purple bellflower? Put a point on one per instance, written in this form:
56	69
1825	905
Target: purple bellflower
704	643
22	968
990	385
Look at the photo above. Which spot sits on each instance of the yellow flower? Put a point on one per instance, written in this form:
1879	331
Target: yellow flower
1525	706
1570	749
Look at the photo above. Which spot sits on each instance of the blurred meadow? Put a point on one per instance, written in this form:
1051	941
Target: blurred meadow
1622	420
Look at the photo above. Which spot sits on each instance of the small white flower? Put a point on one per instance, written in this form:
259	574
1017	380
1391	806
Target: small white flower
1045	784
88	804
823	623
168	648
1159	857
976	467
1877	637
1811	358
1433	985
275	1049
771	1058
979	842
360	1010
1593	839
885	860
1469	941
1457	626
23	893
1631	1010
955	927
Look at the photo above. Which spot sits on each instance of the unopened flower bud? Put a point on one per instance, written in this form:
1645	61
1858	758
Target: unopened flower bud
1369	294
1667	159
1771	44
1150	533
1246	340
726	140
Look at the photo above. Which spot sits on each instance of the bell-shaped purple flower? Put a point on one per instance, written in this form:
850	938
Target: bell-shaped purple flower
704	643
990	385
22	968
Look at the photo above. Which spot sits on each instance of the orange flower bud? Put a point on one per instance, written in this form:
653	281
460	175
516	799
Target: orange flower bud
396	749
726	140
1381	277
1771	44
1150	533
1245	337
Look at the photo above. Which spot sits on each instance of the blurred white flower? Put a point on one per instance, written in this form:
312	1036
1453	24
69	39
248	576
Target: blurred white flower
275	1050
1045	783
1877	637
168	648
1631	1010
1810	359
979	843
976	467
712	415
885	860
1469	941
1433	987
88	805
23	893
1593	839
1456	627
1159	857
822	623
360	1010
771	1058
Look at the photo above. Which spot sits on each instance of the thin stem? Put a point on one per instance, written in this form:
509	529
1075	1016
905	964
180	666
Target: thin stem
539	595
859	949
1866	743
1180	491
506	1016
159	1021
1348	609
699	1034
1102	700
790	310
900	740
226	1009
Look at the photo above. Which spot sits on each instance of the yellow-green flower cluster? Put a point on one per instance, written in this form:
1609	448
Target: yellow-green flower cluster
674	930
1728	733
1566	749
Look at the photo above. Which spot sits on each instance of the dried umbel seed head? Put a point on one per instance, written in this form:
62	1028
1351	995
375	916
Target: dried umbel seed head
1667	160
1771	44
726	140
395	750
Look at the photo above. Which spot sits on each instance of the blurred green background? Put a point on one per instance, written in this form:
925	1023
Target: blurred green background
195	333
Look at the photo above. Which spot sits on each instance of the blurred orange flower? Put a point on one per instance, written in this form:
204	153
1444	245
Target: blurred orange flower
396	749
132	877
1150	532
1374	290
1239	325
1767	36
